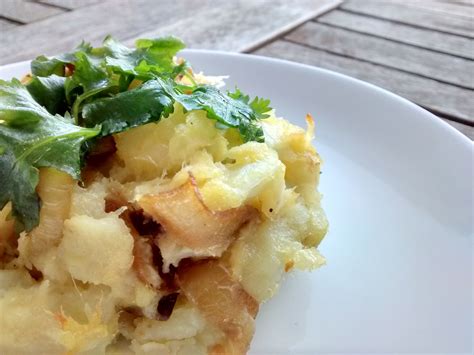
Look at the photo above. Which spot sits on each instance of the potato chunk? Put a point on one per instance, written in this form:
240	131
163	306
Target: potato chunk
96	250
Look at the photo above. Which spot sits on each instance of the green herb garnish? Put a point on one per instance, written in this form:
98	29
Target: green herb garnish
30	138
85	94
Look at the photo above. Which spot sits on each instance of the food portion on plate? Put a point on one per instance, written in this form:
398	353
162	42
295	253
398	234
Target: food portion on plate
143	210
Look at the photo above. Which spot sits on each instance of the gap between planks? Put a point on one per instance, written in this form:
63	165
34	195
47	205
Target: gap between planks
26	11
438	66
229	25
449	8
445	99
6	25
413	16
63	32
69	4
379	76
239	26
401	33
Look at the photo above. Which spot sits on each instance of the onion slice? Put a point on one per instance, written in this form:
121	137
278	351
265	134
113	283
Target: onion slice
55	191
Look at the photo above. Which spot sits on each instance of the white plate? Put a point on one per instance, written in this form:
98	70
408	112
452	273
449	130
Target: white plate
397	186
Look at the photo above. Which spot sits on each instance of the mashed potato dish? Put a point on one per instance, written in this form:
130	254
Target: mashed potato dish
143	210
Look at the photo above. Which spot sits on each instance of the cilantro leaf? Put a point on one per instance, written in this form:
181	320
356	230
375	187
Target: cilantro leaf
88	72
260	106
144	104
49	92
151	55
119	58
17	106
44	66
91	77
26	144
159	53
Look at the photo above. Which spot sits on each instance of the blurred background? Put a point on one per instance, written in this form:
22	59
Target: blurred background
422	50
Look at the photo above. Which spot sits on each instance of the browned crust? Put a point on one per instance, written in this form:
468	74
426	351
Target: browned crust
187	220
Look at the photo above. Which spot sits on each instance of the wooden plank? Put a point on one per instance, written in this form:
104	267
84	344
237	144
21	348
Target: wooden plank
70	4
459	2
126	19
445	99
444	7
413	16
439	66
25	11
443	42
6	25
243	25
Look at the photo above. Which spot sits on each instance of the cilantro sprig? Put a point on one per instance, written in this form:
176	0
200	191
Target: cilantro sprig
74	98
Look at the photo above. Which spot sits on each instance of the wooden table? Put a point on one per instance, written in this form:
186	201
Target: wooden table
420	49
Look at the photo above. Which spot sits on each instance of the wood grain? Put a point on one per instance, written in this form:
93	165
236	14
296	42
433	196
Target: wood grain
442	42
231	25
413	16
446	99
444	7
121	18
458	2
243	25
25	11
439	66
70	4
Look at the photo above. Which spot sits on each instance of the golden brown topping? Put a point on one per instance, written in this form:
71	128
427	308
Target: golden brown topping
187	220
289	265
